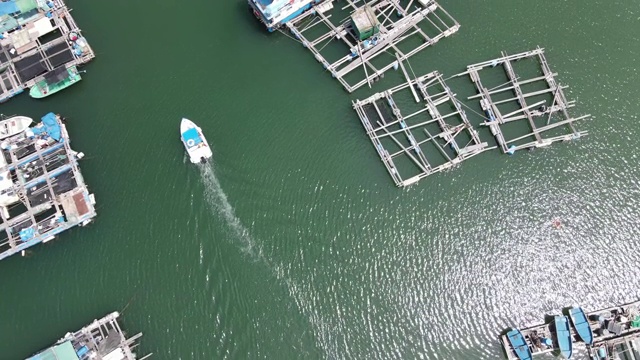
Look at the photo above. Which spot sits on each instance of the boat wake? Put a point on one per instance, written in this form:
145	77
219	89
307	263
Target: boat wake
218	202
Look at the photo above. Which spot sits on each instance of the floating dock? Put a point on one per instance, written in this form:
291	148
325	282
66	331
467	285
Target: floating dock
366	39
42	192
103	339
37	37
612	329
395	133
547	115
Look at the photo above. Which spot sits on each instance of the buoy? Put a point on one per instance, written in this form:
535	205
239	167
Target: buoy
557	224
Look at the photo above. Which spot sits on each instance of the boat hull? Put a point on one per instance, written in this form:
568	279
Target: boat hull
563	336
41	89
14	125
581	324
519	344
194	142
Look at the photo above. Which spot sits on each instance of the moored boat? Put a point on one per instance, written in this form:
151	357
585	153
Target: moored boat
194	142
14	125
563	336
54	81
581	324
519	344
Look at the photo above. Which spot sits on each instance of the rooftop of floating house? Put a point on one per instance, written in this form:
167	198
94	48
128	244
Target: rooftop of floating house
63	351
271	7
15	12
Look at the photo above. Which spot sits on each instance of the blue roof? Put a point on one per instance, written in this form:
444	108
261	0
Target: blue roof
8	7
191	137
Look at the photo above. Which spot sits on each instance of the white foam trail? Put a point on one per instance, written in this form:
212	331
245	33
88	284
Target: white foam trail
217	200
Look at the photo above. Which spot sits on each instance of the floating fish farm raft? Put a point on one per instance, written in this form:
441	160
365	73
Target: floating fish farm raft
42	192
437	135
544	109
616	335
36	38
101	340
358	43
431	139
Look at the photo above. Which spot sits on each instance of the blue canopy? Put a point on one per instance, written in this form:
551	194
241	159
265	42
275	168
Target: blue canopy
191	137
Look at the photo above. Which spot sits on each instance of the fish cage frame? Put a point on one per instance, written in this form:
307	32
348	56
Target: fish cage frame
391	35
379	128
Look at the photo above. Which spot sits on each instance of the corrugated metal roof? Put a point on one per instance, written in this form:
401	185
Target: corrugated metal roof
364	18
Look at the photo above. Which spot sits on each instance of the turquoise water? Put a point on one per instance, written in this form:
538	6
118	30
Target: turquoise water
295	243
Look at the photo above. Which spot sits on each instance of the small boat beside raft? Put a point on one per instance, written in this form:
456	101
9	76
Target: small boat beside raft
14	125
194	142
563	336
54	81
581	324
519	344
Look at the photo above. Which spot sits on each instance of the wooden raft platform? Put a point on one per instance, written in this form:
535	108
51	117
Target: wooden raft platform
102	339
46	193
361	62
541	116
36	43
397	134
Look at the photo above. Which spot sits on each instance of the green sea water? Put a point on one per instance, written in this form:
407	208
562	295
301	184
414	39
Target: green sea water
295	243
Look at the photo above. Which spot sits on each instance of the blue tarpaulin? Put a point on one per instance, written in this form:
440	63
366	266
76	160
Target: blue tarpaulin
50	126
8	7
191	137
27	234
